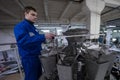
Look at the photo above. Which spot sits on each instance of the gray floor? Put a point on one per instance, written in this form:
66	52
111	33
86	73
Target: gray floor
16	76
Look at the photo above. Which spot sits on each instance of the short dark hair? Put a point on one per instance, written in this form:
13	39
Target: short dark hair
28	8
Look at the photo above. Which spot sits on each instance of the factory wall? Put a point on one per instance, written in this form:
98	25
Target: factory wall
6	36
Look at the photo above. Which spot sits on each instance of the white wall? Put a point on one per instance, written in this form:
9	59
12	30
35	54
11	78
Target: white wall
6	36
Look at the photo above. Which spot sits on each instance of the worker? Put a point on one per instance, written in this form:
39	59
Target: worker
29	44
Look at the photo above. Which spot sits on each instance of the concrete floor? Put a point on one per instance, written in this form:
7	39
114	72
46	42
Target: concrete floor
15	76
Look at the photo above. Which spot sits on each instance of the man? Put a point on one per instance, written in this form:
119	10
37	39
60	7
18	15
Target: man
29	44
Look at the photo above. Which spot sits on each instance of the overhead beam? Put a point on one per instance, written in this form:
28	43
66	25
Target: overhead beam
79	13
20	3
46	9
9	22
78	1
112	3
113	7
10	13
104	19
111	10
65	10
82	10
83	19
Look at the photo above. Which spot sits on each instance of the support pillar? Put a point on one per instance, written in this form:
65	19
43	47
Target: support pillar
95	8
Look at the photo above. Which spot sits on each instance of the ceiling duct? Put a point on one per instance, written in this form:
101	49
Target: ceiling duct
78	1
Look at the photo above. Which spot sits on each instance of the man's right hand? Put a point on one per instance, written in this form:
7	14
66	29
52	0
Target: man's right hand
49	36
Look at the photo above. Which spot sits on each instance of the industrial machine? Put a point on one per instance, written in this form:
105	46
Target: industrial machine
113	40
81	59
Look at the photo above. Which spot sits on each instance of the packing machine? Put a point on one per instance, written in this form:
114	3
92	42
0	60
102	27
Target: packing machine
81	59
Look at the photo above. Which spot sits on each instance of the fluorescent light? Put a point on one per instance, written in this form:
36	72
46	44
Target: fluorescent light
112	26
114	30
46	31
36	25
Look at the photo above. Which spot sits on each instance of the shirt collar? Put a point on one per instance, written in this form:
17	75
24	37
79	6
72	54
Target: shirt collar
29	22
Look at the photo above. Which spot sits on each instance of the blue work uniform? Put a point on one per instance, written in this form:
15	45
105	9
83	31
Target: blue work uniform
29	45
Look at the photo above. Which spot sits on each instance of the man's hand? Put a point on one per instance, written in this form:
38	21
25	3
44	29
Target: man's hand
49	36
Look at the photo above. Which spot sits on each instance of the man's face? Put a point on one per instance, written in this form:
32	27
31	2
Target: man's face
31	16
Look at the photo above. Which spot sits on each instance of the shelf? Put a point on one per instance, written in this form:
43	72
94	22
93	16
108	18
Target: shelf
7	62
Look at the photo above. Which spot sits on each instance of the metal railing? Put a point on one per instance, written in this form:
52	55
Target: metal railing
17	57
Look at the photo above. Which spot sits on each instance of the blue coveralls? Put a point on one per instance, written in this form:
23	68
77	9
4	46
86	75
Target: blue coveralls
29	46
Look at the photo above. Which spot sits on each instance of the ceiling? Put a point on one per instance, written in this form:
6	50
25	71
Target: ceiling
51	12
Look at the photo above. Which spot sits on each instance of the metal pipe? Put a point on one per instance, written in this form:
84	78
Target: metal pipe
7	43
59	36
